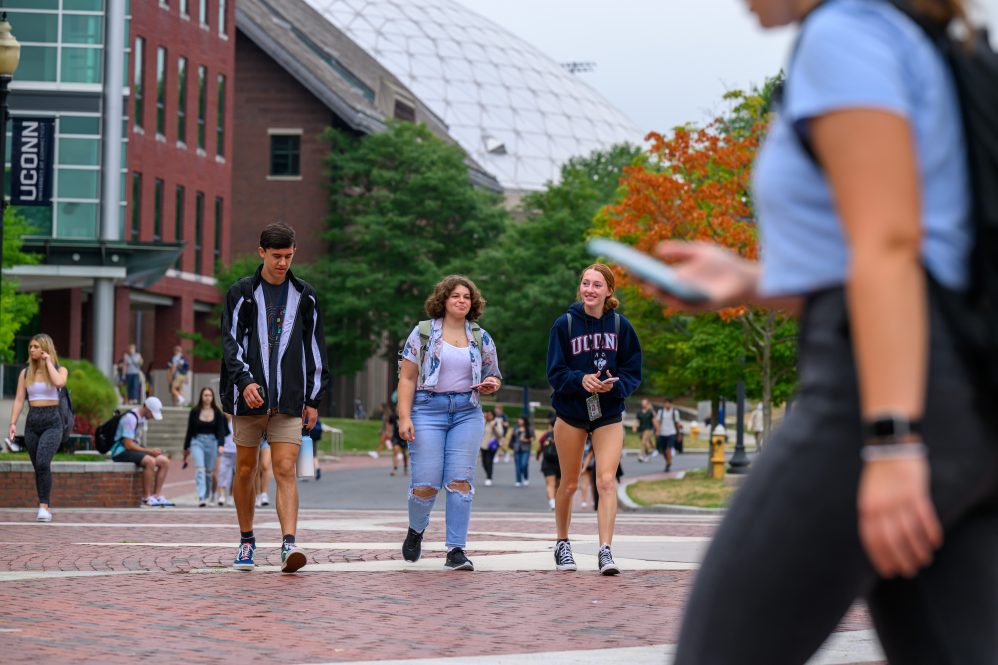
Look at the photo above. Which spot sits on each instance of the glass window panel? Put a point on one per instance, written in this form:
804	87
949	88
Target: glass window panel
76	220
39	219
182	99
157	211
161	90
81	65
219	206
82	29
83	152
86	5
203	12
34	27
198	229
136	204
202	103
220	118
223	23
74	124
38	63
185	9
285	155
138	84
78	184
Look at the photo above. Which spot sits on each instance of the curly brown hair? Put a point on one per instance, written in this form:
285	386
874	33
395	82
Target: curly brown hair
611	283
436	304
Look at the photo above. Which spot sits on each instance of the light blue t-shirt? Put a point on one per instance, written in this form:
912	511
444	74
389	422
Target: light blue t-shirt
129	426
859	54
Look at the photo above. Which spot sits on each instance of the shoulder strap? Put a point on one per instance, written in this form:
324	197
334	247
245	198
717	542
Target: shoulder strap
424	342
616	325
476	333
569	315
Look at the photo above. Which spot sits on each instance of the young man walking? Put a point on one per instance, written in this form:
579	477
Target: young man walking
272	380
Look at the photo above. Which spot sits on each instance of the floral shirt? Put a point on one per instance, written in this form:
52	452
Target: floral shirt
484	361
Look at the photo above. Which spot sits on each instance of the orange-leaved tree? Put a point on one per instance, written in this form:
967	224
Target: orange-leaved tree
695	186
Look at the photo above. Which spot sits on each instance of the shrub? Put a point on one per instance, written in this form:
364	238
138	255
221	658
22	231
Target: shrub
94	396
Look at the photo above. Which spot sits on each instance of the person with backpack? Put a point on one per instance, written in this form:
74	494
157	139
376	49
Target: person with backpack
179	369
129	432
593	365
447	363
40	384
490	444
669	431
273	378
882	482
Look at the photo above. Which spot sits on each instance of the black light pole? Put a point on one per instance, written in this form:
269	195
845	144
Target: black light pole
10	55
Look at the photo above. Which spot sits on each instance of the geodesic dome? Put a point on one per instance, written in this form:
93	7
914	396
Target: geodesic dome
514	109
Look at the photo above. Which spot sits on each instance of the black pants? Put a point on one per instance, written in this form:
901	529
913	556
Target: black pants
42	437
787	563
488	460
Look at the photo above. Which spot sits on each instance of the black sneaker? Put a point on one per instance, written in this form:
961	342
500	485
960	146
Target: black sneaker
413	545
563	559
456	560
606	564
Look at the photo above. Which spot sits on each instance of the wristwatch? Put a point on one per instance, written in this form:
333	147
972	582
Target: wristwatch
892	428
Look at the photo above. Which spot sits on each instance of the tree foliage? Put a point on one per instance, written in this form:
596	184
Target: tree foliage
530	273
16	309
403	214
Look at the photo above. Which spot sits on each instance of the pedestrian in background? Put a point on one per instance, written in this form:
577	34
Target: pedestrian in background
129	446
645	425
521	440
547	454
206	431
502	426
273	378
882	482
490	445
131	370
39	384
755	425
177	375
226	465
440	414
669	431
593	364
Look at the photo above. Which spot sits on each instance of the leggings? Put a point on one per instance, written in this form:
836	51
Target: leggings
42	436
787	562
488	461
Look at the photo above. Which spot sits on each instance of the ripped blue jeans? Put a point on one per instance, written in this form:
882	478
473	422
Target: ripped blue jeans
449	430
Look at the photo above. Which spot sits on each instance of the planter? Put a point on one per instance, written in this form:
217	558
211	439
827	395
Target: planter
74	485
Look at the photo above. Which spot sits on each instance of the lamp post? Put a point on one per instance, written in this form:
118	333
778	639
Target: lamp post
10	55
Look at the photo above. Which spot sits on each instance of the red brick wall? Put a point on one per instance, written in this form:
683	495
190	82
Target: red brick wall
72	489
269	97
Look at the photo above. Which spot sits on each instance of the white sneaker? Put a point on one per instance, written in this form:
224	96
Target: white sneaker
584	504
654	453
526	482
44	515
551	504
230	501
517	484
506	460
150	501
373	454
163	501
488	482
259	501
221	500
264	499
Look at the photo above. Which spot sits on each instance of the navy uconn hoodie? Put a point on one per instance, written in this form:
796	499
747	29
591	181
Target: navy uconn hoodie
594	345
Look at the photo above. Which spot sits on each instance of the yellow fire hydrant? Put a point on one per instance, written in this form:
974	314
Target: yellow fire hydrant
717	441
694	430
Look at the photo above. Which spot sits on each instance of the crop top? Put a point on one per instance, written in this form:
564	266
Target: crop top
42	391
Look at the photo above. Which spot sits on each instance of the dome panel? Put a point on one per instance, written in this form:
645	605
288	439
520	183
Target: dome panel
506	103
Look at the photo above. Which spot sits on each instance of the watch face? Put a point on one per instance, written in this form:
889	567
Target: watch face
892	426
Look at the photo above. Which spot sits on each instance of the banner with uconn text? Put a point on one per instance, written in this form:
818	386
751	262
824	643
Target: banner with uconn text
31	160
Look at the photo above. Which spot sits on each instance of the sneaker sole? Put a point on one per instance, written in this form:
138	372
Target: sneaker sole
463	566
609	570
566	566
294	562
243	566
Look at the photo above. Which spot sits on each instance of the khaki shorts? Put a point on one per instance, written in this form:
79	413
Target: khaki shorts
248	430
178	381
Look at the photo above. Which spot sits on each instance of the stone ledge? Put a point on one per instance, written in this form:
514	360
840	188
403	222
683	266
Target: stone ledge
70	467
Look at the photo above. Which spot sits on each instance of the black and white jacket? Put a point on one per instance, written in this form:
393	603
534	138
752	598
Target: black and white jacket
302	375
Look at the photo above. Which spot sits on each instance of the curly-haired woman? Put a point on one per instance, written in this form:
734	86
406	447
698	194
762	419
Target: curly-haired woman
447	363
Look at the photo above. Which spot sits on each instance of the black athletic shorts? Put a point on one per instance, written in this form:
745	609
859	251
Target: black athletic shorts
133	456
592	425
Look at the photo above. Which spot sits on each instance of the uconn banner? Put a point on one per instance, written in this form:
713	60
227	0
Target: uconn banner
31	161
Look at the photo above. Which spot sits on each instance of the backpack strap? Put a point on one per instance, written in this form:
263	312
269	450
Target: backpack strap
424	343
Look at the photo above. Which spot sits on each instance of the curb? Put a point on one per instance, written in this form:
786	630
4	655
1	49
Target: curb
625	501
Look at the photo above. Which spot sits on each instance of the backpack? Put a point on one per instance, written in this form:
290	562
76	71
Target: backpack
106	431
424	342
973	319
66	414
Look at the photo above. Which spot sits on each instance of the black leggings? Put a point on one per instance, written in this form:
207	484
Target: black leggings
787	563
488	461
42	436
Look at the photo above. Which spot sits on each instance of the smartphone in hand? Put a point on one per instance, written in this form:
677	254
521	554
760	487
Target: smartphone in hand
645	268
611	379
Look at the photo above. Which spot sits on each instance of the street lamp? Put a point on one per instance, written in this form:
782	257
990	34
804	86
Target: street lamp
10	55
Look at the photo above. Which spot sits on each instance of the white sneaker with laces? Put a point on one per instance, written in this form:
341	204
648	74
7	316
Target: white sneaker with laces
259	502
551	504
150	501
221	500
264	499
526	482
517	484
44	515
488	482
163	501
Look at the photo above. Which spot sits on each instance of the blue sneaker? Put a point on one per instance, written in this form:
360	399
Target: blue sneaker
292	558
244	557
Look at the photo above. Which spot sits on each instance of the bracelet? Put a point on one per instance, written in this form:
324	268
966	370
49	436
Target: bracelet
873	453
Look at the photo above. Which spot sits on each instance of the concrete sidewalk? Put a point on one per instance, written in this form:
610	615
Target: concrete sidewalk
154	585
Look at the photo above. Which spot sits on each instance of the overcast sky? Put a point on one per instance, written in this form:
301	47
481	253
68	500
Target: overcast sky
661	62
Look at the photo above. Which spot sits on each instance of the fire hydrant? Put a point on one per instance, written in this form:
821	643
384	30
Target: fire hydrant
694	430
717	441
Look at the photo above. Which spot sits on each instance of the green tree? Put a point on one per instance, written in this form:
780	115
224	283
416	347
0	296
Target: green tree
530	273
210	347
16	309
403	214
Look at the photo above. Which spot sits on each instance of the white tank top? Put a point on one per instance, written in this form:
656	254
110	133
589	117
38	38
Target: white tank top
42	391
455	370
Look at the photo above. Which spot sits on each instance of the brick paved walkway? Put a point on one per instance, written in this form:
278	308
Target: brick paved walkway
154	586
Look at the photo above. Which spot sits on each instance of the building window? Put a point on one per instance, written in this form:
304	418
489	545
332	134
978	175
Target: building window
223	23
404	111
198	229
138	88
220	124
136	204
203	12
157	213
182	100
184	9
218	229
202	103
178	221
161	91
285	154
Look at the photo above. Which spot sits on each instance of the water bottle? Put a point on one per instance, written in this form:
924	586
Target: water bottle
306	459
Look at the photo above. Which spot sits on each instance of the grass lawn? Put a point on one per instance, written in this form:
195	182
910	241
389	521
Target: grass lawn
359	436
695	489
59	457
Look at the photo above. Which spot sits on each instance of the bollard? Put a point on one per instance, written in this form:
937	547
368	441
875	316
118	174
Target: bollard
717	441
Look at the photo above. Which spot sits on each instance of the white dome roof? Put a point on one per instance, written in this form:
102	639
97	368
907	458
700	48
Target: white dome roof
516	111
